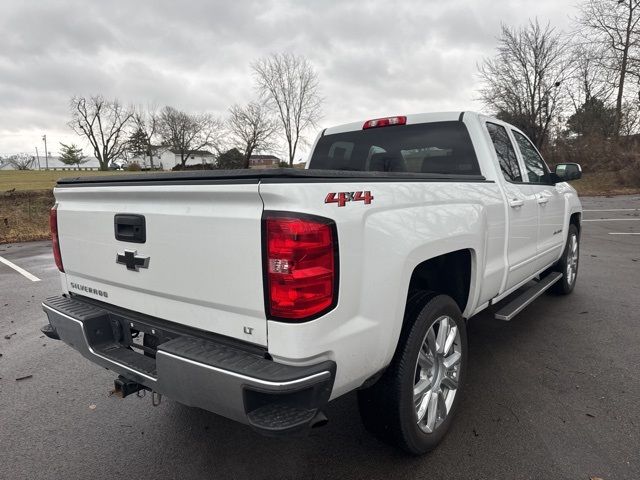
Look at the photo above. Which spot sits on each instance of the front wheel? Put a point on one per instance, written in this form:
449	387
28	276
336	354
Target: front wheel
413	404
568	264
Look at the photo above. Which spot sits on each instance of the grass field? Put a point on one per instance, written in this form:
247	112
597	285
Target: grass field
43	179
602	183
24	216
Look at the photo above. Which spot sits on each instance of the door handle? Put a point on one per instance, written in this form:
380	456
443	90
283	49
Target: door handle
542	200
515	203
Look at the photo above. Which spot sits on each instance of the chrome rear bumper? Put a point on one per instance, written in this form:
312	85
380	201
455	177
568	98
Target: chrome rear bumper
213	375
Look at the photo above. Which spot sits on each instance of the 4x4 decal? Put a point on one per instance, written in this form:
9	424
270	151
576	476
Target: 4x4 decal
341	198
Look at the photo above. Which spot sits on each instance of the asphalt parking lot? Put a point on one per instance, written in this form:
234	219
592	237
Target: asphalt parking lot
553	394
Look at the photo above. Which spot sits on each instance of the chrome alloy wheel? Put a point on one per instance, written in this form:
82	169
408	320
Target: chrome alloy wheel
437	373
572	260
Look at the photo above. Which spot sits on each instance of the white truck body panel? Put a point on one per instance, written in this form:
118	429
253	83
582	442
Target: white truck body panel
204	248
205	244
379	249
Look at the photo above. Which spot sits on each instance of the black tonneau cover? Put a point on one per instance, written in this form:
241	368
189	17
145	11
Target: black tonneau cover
274	175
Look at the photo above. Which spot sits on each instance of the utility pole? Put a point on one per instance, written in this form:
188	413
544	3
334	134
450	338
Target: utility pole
46	152
38	157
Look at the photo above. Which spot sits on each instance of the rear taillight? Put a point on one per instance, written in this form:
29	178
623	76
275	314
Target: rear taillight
301	266
385	122
53	224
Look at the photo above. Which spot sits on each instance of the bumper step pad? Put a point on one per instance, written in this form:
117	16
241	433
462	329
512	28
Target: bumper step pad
73	308
277	417
237	361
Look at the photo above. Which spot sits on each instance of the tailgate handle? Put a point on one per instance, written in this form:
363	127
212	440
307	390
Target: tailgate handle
130	228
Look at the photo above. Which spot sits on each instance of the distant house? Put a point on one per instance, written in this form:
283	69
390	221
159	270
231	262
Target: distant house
264	161
197	157
167	158
161	156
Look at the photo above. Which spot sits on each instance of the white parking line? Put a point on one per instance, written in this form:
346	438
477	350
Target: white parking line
624	233
21	271
614	210
613	220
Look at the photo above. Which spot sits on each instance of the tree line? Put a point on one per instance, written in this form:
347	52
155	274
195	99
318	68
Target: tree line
287	104
576	94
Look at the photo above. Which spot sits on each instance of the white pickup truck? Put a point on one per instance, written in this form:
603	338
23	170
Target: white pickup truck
261	295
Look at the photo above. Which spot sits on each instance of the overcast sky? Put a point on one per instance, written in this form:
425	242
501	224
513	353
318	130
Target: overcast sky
374	58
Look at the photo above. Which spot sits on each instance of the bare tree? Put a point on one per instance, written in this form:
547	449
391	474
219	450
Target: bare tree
613	25
523	82
21	161
590	80
147	124
103	123
252	128
289	85
630	119
187	133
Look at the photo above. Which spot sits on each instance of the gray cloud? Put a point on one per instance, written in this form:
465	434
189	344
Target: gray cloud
373	58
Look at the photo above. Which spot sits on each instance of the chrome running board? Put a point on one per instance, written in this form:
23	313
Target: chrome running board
519	303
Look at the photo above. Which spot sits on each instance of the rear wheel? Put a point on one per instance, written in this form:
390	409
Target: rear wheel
568	264
413	403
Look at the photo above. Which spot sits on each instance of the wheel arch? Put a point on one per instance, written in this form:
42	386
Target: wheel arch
458	269
449	274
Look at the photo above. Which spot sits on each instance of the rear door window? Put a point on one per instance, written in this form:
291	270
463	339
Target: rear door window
537	170
505	152
437	147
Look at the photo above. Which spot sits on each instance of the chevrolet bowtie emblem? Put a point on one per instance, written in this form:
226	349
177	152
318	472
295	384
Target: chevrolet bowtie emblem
132	260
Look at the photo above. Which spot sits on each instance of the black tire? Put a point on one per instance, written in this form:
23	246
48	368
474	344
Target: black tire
565	285
387	408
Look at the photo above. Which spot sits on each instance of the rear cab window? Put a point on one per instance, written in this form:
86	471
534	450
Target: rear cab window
436	147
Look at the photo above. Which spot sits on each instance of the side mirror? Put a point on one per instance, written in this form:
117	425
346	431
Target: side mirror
565	172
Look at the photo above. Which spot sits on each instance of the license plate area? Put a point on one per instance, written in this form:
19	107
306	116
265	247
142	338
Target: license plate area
144	338
127	341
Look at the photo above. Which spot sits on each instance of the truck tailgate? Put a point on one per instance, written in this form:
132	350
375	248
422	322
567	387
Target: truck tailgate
203	247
